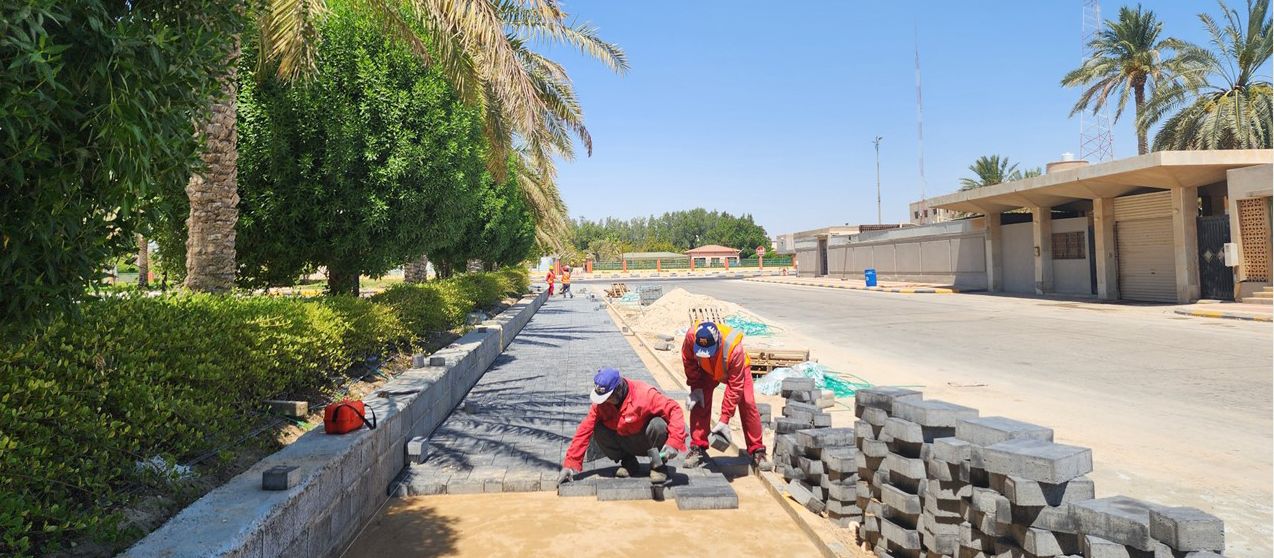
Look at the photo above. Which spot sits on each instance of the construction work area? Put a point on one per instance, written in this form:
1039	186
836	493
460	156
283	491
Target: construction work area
864	463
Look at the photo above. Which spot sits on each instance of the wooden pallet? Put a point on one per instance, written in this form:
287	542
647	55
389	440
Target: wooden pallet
616	290
700	314
765	361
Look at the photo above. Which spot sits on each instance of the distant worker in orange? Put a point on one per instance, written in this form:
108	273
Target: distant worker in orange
550	278
566	282
713	354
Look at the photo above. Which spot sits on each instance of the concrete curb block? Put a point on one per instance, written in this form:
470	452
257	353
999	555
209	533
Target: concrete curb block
900	290
1225	315
344	479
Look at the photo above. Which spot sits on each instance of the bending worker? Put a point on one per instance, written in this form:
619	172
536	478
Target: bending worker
713	354
628	418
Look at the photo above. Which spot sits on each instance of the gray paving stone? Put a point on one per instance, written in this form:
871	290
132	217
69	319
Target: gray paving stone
706	497
932	413
1038	460
986	431
1187	529
825	437
586	487
882	398
1025	492
1119	519
612	489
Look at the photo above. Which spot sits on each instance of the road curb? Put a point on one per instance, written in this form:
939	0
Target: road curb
1225	315
899	290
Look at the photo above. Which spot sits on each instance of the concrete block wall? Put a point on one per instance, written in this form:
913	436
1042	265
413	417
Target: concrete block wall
344	479
937	479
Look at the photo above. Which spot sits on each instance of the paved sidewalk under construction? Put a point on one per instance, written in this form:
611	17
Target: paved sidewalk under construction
511	432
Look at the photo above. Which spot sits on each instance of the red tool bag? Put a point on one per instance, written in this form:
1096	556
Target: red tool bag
347	416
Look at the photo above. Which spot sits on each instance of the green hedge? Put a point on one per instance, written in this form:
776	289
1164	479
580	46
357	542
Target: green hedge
177	377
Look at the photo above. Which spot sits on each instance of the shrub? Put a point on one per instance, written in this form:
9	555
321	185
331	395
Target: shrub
135	377
426	307
179	377
518	280
483	289
374	328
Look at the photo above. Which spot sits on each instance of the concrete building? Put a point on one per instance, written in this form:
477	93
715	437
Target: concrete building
706	255
924	213
1149	228
1170	226
811	247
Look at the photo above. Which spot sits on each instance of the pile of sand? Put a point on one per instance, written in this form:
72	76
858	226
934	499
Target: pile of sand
670	313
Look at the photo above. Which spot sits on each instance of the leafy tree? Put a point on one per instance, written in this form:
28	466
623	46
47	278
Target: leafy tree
990	170
1223	103
496	227
1128	57
673	232
1032	173
96	100
356	169
482	47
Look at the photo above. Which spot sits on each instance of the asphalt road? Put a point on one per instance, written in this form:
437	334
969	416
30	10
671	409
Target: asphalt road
1177	409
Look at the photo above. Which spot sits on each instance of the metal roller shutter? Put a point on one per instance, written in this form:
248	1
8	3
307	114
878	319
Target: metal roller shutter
1143	232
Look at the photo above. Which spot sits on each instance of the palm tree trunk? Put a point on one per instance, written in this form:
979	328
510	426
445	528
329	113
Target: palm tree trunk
143	262
1139	98
417	271
214	196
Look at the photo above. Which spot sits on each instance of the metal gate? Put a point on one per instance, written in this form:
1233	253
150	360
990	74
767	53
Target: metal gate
822	257
1216	280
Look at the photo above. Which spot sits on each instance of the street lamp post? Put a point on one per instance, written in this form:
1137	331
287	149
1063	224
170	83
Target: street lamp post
877	142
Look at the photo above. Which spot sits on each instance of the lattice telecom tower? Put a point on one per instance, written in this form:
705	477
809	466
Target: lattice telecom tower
1096	142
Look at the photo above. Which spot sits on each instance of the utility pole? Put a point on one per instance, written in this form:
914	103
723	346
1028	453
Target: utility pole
877	142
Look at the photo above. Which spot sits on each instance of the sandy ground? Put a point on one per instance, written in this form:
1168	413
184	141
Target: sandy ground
542	524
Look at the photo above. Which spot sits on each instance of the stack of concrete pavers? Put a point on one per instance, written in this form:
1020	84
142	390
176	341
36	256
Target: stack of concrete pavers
1020	482
935	479
1123	526
763	409
873	407
906	527
801	408
827	459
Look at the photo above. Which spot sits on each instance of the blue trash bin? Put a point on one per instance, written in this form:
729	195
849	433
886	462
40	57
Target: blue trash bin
870	275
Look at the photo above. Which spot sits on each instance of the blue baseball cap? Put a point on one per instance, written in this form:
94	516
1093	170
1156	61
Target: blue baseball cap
707	340
604	384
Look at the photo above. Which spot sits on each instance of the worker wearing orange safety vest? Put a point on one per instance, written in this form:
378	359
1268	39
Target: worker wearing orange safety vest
713	354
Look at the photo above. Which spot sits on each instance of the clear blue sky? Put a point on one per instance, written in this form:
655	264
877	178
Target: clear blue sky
770	108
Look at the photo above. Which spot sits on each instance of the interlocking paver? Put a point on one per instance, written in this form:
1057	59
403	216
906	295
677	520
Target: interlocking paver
517	421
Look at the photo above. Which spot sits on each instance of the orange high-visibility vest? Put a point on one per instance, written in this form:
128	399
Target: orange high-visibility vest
716	365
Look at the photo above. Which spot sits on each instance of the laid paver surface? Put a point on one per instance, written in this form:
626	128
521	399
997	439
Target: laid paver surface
519	418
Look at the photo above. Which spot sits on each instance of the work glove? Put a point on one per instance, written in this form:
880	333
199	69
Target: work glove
723	429
668	453
567	475
695	398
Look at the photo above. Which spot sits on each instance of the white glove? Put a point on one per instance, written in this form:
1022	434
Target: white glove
695	398
723	429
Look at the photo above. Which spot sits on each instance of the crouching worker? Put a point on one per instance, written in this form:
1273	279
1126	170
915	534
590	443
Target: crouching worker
628	418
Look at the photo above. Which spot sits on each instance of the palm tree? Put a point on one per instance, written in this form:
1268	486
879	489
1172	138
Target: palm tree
990	170
1128	57
1224	103
480	46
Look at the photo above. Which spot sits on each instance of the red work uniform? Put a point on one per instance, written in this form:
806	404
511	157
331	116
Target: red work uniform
732	367
642	403
549	279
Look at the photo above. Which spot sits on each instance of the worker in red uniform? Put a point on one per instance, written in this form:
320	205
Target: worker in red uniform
549	279
628	418
713	354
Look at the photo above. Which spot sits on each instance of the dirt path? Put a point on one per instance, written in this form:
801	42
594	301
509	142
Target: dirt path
542	524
